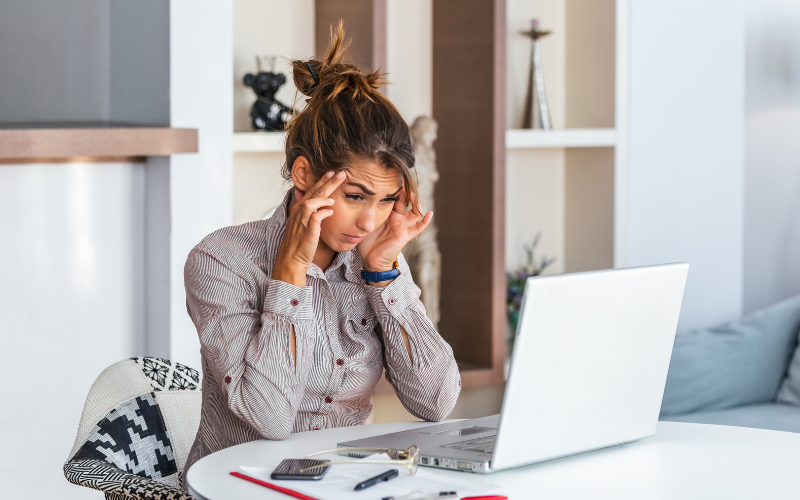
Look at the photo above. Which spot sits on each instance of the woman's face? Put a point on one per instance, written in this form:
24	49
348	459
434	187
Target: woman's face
362	204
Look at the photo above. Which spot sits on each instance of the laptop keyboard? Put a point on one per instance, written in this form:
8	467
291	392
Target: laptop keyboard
483	445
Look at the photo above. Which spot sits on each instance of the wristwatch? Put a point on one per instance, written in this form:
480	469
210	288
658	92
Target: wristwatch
375	277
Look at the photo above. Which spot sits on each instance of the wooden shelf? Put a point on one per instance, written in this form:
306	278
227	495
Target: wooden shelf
258	142
86	141
561	138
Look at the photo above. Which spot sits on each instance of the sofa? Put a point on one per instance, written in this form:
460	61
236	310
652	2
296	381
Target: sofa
745	373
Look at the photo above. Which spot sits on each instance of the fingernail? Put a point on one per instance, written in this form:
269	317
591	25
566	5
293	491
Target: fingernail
329	173
330	200
340	174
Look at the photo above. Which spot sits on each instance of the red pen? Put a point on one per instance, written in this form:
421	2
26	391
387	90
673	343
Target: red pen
275	487
490	497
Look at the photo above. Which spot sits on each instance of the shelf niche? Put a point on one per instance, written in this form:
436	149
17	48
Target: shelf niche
469	105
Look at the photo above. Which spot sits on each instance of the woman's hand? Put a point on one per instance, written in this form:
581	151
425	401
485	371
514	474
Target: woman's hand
380	248
302	229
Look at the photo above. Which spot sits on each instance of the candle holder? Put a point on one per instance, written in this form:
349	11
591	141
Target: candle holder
537	113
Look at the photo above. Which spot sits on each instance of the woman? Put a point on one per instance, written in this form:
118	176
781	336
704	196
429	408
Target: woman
294	330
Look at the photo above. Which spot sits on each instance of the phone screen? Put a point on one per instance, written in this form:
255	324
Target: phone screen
290	469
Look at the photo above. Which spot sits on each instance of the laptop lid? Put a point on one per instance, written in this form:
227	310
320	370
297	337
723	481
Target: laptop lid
590	362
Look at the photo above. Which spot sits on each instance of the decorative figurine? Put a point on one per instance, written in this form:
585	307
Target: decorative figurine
422	253
267	112
537	114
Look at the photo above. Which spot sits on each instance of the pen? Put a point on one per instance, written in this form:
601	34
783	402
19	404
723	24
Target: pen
389	474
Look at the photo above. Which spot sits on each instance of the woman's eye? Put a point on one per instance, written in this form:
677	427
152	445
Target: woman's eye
389	200
354	197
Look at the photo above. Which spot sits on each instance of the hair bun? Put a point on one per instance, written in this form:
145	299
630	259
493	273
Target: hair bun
334	75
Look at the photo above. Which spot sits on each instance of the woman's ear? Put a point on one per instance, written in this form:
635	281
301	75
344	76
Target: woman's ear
301	174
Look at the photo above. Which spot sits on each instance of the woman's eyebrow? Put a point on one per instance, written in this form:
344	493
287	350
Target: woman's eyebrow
361	186
367	191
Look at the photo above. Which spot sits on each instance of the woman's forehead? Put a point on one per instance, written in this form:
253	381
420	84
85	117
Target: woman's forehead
375	177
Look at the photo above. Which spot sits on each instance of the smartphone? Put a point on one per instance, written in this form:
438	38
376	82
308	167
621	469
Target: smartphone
290	469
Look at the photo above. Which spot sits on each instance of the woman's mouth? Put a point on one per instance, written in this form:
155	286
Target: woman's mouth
352	239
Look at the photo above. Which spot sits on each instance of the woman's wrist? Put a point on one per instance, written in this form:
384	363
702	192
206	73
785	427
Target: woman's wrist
288	272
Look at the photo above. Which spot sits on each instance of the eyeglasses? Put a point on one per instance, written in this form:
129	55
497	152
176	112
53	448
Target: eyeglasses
408	457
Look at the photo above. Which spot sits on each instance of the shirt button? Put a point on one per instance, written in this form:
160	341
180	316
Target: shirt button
294	302
328	399
227	380
340	362
364	321
391	301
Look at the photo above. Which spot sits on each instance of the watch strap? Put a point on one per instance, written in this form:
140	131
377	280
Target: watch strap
377	276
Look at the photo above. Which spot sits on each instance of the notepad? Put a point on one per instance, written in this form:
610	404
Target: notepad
340	480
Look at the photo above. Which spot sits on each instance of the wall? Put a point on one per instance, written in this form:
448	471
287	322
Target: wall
686	165
201	185
56	60
71	303
86	60
72	284
772	153
535	178
258	186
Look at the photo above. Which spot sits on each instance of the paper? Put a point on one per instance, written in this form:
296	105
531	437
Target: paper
340	480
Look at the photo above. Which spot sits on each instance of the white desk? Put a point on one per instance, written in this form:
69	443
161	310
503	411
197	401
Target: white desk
681	461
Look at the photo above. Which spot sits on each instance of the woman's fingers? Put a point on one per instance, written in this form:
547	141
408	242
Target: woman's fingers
420	226
327	184
316	219
312	206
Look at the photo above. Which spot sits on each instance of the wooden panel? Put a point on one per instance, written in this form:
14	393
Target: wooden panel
589	209
48	143
469	104
364	22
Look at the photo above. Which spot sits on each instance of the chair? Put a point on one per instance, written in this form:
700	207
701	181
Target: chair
138	424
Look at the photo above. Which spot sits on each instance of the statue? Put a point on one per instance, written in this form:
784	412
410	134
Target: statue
422	253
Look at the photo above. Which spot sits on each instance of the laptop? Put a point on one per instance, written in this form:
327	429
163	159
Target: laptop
588	371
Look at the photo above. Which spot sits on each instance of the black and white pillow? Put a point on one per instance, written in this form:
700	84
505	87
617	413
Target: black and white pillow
134	438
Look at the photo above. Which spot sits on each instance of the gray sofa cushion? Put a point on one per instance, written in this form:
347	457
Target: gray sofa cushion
739	363
773	416
790	389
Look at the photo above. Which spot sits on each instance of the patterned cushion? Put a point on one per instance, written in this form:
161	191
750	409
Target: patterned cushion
134	438
137	427
165	375
118	485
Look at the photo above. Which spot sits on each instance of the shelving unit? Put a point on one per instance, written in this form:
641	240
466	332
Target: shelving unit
564	138
569	181
258	142
272	142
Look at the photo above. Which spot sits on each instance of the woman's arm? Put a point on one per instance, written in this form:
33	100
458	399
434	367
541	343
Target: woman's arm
419	363
248	349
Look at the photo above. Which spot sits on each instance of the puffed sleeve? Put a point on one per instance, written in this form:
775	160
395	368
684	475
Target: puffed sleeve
247	348
429	385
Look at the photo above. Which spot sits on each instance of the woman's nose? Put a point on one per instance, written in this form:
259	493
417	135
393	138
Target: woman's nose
366	221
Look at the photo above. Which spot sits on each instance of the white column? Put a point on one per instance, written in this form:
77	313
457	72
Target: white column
201	96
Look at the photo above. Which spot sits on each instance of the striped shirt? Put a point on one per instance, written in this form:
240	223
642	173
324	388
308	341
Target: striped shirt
347	333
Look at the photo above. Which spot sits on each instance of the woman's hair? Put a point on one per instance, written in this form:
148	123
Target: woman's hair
346	119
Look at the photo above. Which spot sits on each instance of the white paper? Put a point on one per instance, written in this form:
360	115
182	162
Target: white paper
339	481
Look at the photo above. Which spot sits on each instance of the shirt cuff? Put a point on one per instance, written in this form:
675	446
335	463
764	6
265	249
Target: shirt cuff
289	300
393	299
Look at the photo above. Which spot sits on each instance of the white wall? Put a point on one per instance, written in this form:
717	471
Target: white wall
258	186
686	170
71	264
772	153
201	185
409	56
